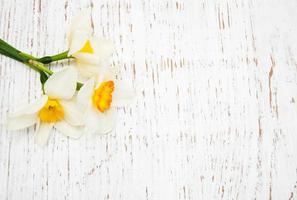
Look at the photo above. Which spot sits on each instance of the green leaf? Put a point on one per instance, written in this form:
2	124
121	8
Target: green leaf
43	78
78	85
45	59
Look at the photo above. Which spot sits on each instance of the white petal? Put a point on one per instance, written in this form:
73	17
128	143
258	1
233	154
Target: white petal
110	74
122	95
107	73
101	76
85	93
77	41
68	130
88	70
22	121
43	133
62	84
71	113
88	58
98	122
103	48
32	107
80	30
82	21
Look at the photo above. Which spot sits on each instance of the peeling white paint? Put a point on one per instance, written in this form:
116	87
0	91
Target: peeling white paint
216	116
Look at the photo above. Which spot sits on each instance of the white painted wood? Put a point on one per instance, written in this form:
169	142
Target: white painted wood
216	116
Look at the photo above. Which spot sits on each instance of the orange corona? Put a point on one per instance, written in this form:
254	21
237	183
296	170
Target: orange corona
102	96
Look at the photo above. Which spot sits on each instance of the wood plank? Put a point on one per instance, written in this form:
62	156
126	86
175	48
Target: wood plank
216	111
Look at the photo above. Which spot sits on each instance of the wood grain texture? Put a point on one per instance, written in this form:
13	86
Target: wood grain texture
216	114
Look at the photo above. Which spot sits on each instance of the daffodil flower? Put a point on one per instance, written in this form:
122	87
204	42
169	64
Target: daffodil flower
100	102
91	53
54	109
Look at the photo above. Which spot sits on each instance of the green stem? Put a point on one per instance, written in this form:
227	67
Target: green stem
11	52
7	46
28	56
31	61
49	59
40	66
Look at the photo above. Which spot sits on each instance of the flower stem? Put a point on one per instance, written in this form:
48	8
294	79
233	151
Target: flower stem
7	50
31	61
28	56
49	59
39	66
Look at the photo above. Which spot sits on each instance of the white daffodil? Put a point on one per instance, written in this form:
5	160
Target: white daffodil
54	109
100	102
90	53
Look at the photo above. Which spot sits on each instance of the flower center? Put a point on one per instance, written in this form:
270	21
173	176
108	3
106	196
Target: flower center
87	48
102	96
52	111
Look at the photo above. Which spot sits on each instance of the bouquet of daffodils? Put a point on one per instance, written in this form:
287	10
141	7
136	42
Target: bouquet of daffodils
80	98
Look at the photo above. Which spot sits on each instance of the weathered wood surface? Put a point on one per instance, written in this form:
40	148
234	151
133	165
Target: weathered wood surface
216	115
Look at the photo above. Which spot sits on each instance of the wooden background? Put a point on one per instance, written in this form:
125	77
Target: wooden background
216	114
